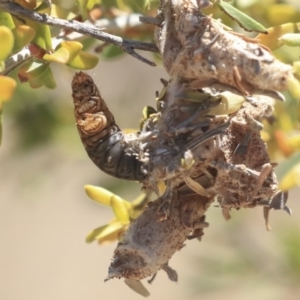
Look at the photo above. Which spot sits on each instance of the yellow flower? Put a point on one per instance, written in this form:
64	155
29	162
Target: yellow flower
124	212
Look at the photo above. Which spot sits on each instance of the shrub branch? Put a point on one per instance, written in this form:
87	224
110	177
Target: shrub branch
128	46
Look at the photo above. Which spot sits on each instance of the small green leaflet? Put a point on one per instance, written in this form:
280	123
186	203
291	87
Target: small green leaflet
243	20
291	39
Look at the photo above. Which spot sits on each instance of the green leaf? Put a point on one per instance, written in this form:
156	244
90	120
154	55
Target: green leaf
6	20
42	37
271	40
73	48
60	12
7	42
120	209
45	78
242	19
23	34
103	231
111	51
48	79
82	6
193	96
35	83
229	104
92	3
44	7
148	111
84	61
7	88
291	39
61	55
32	70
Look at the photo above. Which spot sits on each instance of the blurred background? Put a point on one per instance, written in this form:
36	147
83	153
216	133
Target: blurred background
45	214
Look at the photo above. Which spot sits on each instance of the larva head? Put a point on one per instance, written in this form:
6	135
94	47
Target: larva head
86	96
92	123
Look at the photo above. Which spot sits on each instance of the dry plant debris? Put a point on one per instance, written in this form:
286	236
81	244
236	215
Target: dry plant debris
196	47
202	142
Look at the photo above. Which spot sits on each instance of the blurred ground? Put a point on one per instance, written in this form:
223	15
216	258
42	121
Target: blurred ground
45	214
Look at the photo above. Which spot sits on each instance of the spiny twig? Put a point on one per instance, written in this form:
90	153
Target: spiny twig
128	46
119	23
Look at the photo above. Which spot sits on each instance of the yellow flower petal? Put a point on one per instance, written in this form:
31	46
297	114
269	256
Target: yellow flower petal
7	42
103	231
120	209
7	88
102	195
98	194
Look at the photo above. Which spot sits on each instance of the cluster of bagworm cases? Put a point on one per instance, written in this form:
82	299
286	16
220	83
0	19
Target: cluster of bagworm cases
202	142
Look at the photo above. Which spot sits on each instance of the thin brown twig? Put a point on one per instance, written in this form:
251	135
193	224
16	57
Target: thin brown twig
128	46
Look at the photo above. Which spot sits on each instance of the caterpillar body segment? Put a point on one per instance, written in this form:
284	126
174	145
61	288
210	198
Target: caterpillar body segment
105	143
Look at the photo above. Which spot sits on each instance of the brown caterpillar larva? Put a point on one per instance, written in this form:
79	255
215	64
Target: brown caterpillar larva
103	140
